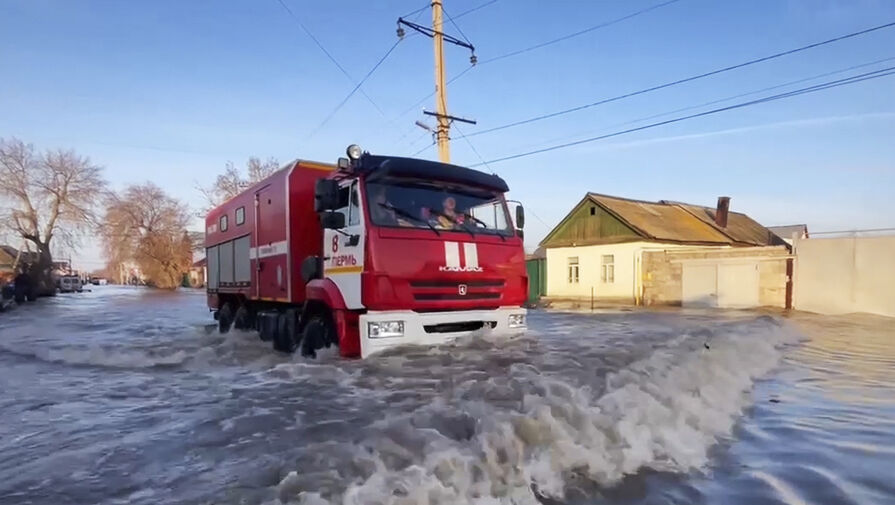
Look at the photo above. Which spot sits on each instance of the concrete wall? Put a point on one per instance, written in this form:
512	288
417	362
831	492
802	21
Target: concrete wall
627	256
846	274
663	272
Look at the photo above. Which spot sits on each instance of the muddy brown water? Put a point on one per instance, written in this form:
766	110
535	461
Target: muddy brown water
120	395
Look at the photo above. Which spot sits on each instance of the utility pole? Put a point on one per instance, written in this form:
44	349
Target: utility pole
442	131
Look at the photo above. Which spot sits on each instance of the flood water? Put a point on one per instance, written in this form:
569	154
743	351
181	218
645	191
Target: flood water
122	396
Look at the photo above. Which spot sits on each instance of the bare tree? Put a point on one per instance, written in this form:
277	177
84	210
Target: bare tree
232	181
47	196
146	226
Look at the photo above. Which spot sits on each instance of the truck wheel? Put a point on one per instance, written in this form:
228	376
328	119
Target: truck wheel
285	340
225	318
242	320
317	335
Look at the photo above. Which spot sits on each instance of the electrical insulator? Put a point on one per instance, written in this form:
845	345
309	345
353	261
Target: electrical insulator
400	32
473	60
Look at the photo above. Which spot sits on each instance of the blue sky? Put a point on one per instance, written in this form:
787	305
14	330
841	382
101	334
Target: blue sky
168	91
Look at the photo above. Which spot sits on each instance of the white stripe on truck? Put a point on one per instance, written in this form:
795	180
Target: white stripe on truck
452	255
471	254
272	249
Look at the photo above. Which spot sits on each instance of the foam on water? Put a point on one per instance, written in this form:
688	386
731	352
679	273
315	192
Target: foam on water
525	434
99	355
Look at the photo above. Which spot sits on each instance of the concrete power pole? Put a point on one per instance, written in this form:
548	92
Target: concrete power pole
442	131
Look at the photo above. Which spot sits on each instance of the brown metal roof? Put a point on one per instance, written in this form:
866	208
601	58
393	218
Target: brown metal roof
786	232
741	228
661	221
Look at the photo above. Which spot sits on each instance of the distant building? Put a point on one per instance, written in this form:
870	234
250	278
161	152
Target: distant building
61	268
789	231
8	260
198	273
597	249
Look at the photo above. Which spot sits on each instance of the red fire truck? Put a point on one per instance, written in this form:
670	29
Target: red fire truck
371	253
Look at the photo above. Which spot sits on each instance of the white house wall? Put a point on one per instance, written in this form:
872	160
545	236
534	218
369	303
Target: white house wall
626	256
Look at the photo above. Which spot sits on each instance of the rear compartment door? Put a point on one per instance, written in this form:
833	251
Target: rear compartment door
271	250
344	252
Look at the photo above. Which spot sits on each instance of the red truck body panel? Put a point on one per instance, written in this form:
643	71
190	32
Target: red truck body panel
282	230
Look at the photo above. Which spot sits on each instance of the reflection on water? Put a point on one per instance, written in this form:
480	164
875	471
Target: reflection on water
121	396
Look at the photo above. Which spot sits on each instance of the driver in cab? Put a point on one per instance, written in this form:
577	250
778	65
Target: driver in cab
448	218
384	212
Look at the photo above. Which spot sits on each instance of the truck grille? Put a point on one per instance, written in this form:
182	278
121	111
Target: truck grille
440	290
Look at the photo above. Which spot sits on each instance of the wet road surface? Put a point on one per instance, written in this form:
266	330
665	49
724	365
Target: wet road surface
122	396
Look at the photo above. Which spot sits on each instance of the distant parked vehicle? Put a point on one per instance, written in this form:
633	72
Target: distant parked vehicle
70	284
98	281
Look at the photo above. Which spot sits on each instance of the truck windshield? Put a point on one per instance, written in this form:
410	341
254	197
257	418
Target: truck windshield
412	203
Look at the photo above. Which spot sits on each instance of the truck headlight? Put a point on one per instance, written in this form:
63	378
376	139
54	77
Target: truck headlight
516	320
385	329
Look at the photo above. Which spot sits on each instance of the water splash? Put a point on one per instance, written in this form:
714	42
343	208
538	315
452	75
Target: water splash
526	435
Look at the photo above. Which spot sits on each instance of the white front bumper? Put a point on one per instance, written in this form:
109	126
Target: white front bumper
415	323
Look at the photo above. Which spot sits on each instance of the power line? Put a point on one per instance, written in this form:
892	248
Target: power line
681	81
532	212
580	32
598	26
474	150
467	69
810	89
326	52
354	90
456	26
458	16
430	95
473	9
741	95
421	9
414	155
417	139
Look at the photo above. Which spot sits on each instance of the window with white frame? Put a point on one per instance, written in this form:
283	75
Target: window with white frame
240	216
573	270
222	222
607	269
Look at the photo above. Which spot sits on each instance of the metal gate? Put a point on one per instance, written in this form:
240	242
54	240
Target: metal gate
721	284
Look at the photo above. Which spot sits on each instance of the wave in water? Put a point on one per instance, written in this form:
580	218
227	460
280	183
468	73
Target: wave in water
98	355
525	435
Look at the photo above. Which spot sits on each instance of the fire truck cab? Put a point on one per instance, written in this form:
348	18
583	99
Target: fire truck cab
372	253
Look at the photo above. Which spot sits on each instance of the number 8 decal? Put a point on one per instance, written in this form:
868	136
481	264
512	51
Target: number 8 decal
335	243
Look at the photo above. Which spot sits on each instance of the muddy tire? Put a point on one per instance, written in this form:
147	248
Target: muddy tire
319	333
286	339
242	320
225	318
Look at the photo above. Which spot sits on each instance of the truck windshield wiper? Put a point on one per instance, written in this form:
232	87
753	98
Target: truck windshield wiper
465	228
484	225
408	215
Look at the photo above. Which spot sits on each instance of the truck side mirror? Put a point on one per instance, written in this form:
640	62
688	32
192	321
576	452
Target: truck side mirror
332	220
520	217
326	195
